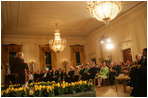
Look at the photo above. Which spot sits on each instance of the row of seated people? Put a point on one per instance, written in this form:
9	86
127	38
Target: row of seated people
137	71
51	75
87	71
82	72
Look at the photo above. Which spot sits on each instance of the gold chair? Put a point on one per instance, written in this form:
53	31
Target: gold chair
106	80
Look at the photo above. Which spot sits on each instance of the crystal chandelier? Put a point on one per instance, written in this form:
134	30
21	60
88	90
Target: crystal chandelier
104	11
57	44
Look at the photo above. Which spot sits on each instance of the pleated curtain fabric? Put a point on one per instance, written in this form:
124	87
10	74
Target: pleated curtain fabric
42	50
6	49
73	50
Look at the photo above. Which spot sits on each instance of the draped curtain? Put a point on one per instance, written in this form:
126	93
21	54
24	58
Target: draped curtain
43	49
73	50
7	49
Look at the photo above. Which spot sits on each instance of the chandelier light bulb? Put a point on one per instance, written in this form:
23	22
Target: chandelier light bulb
101	41
108	40
57	44
104	11
109	46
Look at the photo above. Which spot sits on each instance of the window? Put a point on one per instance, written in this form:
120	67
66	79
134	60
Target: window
77	55
77	58
48	60
47	57
11	57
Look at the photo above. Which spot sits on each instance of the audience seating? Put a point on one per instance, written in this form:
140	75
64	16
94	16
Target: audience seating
106	80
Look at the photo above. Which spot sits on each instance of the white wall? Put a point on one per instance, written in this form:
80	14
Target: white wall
129	30
31	47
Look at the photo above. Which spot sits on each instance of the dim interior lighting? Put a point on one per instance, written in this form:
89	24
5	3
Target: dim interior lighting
109	46
101	42
108	40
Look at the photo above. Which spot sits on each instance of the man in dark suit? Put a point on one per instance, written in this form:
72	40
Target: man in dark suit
117	67
142	87
38	76
70	76
112	73
86	74
76	74
92	71
45	76
81	69
49	75
60	75
139	76
19	67
54	75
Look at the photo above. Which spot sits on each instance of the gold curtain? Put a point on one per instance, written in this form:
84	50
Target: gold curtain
43	49
73	50
7	49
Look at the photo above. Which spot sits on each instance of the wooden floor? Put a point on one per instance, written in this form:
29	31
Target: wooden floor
110	91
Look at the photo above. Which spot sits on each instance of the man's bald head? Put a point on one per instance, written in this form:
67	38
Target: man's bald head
20	55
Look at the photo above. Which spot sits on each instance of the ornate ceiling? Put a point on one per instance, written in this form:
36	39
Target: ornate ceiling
40	17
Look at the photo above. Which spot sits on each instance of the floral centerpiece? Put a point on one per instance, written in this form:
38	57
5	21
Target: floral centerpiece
47	89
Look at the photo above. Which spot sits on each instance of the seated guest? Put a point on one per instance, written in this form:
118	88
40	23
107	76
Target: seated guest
117	68
126	69
98	67
81	69
31	78
113	72
128	63
60	74
49	77
132	63
139	59
69	77
45	76
38	75
19	67
54	75
76	74
93	70
64	75
103	74
122	64
85	75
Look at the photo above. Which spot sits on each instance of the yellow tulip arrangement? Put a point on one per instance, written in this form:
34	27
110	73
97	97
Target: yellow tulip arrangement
46	89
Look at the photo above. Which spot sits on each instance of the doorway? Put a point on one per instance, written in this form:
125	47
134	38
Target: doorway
127	55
